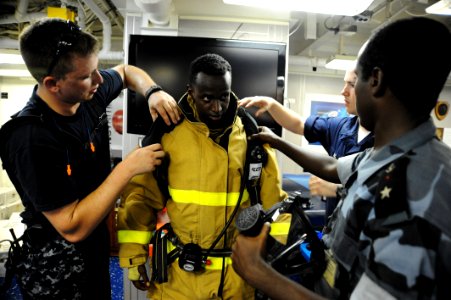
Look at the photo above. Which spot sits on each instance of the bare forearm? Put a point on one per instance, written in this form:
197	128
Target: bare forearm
287	118
319	164
160	102
135	78
277	286
77	220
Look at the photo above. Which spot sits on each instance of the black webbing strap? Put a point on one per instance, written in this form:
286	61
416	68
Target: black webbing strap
160	254
14	253
256	157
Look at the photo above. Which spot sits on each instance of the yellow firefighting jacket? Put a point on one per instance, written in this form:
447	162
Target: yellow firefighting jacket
204	182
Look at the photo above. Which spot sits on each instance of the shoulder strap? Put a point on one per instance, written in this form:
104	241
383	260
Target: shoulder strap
156	131
256	157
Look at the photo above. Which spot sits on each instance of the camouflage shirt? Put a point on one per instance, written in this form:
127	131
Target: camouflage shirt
391	235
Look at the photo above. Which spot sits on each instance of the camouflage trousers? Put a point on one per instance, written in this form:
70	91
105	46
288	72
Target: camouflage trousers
54	270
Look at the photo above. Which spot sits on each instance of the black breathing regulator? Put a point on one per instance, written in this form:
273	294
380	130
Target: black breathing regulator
251	219
191	259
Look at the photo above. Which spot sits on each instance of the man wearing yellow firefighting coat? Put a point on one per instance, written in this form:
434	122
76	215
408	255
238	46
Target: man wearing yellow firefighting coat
206	152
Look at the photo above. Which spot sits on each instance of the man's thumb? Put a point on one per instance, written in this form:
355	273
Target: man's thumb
266	228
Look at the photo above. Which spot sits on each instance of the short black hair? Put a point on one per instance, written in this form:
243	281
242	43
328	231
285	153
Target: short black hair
414	55
41	41
210	64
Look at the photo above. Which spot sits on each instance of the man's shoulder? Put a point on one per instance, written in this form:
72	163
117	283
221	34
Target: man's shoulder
20	133
19	123
110	88
331	121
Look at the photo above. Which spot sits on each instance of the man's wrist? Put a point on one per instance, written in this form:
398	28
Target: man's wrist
153	89
341	191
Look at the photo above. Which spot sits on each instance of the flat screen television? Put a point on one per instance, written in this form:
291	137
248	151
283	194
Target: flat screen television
258	68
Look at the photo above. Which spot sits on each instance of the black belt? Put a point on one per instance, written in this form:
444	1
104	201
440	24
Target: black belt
217	252
161	259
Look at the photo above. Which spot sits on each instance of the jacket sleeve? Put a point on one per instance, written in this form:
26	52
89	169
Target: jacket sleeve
271	192
270	182
137	217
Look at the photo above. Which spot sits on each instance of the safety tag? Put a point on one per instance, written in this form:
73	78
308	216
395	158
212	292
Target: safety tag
255	170
331	269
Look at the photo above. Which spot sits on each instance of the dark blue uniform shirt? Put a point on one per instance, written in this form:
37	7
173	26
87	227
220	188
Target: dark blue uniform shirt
338	135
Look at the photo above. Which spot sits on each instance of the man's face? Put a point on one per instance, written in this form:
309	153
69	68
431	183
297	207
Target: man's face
211	94
348	92
364	107
82	83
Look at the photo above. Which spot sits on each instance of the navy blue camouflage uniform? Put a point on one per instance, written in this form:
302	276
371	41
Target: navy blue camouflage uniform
391	235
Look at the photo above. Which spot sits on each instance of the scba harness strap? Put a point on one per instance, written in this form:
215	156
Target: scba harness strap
191	257
167	248
256	156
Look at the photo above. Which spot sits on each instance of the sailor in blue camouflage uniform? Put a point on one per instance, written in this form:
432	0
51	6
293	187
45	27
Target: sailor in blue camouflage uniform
390	236
396	216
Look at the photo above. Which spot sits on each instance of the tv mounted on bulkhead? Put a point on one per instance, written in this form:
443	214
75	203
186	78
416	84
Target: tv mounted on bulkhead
258	68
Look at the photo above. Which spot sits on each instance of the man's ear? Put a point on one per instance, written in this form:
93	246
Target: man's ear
377	82
50	84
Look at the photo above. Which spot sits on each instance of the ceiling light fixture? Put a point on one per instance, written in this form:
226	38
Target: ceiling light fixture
14	73
11	59
442	7
341	62
327	7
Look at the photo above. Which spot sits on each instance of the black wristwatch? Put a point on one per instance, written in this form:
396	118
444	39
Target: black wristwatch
153	89
341	191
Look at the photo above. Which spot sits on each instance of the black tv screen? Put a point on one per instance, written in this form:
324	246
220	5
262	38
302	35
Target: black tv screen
258	68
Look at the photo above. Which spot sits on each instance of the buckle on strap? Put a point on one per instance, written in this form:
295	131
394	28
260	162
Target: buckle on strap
161	259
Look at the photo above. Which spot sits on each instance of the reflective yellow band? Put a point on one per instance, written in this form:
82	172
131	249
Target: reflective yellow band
280	228
134	236
215	263
206	198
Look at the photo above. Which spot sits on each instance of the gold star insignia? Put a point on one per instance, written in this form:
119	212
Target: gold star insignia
390	168
385	193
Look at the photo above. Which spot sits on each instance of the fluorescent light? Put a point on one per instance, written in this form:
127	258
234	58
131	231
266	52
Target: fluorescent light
341	62
14	73
328	7
12	59
442	7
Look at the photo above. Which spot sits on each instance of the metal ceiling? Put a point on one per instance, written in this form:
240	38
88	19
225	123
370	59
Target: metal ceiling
313	36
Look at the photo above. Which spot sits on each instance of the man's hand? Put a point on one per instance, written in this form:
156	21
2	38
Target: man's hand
263	103
247	254
320	187
247	261
142	283
161	103
145	159
265	135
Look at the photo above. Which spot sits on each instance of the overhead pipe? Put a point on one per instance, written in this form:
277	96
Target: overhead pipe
158	11
105	53
21	15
